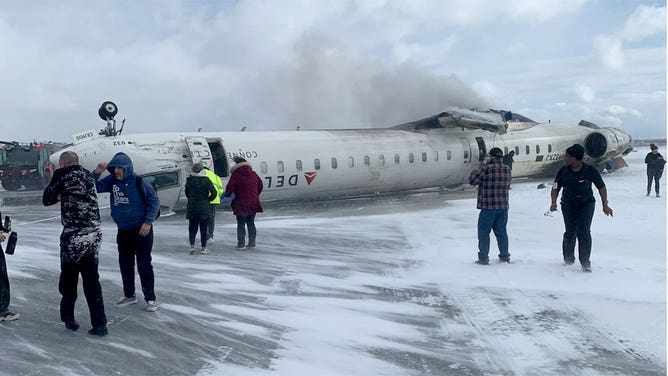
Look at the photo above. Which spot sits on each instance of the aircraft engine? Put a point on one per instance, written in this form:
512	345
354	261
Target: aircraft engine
607	143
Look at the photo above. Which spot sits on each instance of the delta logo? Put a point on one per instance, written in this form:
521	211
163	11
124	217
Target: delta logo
310	176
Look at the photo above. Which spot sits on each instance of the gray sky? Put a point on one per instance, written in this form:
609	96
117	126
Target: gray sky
221	65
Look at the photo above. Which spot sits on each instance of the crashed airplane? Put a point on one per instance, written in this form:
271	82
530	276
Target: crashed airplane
309	165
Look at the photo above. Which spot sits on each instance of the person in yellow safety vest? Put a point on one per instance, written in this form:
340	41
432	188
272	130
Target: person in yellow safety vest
218	184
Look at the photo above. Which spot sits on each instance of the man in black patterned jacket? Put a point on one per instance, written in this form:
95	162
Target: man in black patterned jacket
80	240
493	179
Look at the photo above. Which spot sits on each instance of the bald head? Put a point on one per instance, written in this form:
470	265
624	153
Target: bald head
68	158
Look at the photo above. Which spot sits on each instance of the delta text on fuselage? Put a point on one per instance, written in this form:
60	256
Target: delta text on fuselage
309	165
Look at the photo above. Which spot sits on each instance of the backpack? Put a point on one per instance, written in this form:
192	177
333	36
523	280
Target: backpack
140	189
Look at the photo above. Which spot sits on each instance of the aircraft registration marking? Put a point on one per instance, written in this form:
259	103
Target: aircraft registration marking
554	157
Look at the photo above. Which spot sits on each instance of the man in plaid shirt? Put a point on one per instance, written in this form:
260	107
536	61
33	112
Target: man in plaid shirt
493	179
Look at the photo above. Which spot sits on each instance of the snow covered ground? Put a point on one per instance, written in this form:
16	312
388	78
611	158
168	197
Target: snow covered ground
365	287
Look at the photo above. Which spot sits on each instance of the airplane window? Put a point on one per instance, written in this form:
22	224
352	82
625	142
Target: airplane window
263	167
351	162
162	180
448	155
299	165
280	166
527	149
505	150
435	155
517	150
549	148
334	165
537	149
381	158
466	155
396	159
424	157
366	160
411	158
316	164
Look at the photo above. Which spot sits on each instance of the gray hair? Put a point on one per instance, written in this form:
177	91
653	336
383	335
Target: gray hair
69	158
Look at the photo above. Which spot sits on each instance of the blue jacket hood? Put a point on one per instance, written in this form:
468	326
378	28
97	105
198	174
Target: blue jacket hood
123	161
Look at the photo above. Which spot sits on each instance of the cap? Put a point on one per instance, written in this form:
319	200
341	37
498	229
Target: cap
197	167
496	152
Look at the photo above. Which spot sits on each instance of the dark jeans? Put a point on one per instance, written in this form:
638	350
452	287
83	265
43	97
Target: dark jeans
496	220
656	175
69	279
242	222
131	244
4	284
577	220
193	224
212	221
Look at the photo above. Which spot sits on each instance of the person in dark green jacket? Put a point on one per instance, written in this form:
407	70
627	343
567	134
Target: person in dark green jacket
199	191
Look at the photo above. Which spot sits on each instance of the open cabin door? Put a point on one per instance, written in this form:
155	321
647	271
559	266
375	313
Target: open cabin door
200	151
482	148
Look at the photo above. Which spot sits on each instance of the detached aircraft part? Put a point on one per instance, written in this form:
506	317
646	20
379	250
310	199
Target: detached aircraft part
107	111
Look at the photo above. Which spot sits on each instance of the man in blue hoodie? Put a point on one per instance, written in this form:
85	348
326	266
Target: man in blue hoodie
133	212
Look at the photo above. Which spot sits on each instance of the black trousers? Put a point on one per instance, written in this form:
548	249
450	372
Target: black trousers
69	279
131	245
242	223
4	284
577	220
653	174
193	225
212	221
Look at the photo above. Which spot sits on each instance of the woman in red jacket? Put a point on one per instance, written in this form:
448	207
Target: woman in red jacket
246	186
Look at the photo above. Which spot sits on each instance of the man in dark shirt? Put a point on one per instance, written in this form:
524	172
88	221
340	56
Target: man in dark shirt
655	163
578	204
493	179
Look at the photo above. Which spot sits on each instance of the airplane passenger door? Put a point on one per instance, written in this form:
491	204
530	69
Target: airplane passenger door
482	148
200	151
466	149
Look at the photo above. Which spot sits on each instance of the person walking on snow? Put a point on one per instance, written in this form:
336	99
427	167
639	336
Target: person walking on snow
655	163
199	191
215	202
493	181
80	240
246	185
134	213
578	204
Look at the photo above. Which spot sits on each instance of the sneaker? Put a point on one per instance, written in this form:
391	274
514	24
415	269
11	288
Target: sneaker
251	245
240	246
99	331
504	259
9	316
124	302
657	195
151	306
586	268
192	251
72	325
569	262
211	240
482	262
